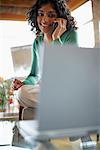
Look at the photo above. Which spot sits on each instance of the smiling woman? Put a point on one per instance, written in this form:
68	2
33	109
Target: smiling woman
45	19
51	21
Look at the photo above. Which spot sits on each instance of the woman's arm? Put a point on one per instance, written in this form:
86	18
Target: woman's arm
34	76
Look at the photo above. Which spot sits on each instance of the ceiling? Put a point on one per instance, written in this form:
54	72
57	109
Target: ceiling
17	9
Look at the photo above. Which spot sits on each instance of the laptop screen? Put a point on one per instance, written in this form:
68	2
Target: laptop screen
69	94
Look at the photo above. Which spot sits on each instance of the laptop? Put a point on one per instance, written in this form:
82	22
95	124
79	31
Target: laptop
69	99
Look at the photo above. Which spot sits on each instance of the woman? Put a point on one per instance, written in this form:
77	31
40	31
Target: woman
52	22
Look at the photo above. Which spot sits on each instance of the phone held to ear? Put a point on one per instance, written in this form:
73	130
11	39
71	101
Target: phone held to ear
54	26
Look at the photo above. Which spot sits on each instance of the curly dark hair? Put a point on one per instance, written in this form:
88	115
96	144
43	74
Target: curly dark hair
60	7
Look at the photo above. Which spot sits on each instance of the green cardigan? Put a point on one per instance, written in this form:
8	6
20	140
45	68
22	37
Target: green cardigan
68	37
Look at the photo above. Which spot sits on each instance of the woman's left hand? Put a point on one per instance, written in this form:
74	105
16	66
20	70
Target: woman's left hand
60	29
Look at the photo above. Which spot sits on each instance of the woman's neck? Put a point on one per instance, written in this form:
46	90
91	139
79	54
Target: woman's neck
47	38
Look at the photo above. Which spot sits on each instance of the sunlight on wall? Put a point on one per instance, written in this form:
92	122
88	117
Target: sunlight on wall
12	34
6	66
16	33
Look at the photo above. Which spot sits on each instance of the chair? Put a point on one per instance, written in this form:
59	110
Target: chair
27	113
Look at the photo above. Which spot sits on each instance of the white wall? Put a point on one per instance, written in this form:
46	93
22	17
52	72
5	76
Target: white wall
12	34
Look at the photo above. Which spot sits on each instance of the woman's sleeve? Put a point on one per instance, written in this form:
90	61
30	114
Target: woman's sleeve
71	37
34	76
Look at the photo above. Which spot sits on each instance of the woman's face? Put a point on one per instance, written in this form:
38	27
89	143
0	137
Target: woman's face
45	18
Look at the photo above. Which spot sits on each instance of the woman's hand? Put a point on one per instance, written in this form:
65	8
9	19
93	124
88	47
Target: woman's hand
60	29
17	84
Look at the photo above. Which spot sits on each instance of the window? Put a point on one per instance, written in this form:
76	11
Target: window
84	16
